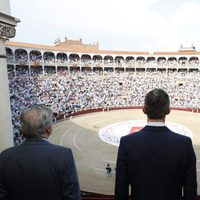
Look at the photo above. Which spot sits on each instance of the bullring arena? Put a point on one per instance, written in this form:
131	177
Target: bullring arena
97	95
81	133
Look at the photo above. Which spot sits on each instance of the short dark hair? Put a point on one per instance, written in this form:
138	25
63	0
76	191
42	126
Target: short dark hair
156	104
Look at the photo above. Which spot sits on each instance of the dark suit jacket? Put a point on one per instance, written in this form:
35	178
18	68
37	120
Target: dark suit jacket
38	170
158	164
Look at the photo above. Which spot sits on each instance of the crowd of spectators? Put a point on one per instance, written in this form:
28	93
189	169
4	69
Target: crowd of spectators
21	57
35	58
68	92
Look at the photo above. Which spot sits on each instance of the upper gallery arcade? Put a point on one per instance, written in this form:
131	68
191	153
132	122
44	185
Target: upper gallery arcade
73	54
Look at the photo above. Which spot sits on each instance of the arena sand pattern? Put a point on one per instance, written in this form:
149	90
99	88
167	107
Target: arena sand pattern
92	154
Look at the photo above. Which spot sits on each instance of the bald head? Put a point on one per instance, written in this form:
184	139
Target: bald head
36	121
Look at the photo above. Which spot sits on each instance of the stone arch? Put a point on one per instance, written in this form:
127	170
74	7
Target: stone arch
9	54
35	56
140	58
129	59
49	56
85	58
21	55
97	58
183	60
119	59
73	57
108	59
151	59
61	57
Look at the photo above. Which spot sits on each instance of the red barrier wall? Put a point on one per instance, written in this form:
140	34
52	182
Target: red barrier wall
65	116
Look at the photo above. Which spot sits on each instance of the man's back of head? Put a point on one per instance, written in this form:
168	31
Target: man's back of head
156	104
36	122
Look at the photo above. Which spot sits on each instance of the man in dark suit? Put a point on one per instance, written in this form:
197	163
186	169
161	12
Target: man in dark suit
157	163
37	169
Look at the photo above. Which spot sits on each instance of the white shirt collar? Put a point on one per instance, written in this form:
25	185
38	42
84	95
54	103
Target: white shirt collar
155	124
44	138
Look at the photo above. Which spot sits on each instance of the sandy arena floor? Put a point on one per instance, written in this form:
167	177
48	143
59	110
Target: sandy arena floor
92	154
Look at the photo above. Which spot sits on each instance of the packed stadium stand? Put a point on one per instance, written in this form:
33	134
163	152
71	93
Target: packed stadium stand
71	76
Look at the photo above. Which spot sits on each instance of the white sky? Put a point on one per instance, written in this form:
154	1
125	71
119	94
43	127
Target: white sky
147	25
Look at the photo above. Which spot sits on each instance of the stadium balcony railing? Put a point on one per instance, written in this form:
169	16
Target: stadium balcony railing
94	196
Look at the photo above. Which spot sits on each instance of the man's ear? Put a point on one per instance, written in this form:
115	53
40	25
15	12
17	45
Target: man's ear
144	110
49	130
168	111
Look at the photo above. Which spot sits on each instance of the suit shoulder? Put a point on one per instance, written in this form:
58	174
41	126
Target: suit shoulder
170	134
180	136
60	148
9	150
132	136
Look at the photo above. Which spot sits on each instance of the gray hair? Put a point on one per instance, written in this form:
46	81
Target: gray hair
35	120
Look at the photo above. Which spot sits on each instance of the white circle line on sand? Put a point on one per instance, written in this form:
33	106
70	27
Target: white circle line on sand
63	135
112	133
110	161
99	169
74	140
